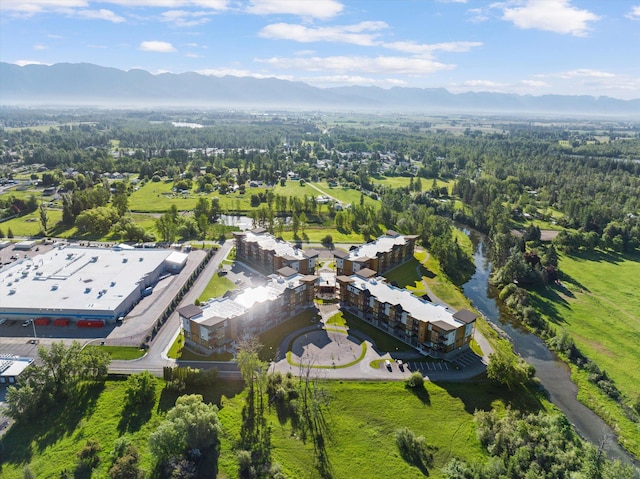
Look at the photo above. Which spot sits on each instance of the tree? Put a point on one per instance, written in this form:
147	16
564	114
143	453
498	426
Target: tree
9	233
507	368
44	218
141	390
190	424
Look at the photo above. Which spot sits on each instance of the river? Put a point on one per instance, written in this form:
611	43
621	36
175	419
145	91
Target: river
554	375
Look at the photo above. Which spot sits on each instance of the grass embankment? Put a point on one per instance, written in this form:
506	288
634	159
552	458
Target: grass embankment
363	417
600	308
51	444
217	286
121	352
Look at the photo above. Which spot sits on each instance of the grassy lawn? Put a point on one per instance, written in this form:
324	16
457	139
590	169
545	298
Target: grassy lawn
362	419
406	275
29	225
345	195
600	308
293	188
218	285
121	352
271	339
315	234
50	444
403	181
382	341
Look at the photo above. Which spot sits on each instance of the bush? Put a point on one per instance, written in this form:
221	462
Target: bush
414	449
327	240
415	380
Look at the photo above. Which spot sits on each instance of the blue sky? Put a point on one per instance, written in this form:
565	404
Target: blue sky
514	46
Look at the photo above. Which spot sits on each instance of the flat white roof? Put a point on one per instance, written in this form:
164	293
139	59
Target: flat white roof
419	308
13	365
269	242
228	308
76	278
383	244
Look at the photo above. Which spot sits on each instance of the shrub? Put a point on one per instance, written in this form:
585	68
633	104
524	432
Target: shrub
415	380
414	449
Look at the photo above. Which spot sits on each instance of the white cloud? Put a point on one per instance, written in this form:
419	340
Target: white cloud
99	47
552	15
360	64
185	18
581	73
22	63
239	72
156	46
31	7
35	6
535	83
353	34
477	15
452	1
333	80
428	49
196	45
101	14
39	47
634	13
322	9
192	55
56	37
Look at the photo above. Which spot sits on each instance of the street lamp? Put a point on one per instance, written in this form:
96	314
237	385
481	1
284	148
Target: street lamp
33	323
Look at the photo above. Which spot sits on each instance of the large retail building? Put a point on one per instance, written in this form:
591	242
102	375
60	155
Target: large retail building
72	283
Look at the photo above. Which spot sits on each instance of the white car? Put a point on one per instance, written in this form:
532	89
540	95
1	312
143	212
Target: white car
3	320
27	323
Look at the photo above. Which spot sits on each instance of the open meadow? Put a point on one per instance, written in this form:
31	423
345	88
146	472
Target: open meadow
362	419
599	306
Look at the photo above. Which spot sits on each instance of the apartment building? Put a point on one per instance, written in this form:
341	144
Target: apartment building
432	329
381	255
267	254
218	323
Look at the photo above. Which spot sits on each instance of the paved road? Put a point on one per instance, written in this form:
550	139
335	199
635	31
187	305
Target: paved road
156	358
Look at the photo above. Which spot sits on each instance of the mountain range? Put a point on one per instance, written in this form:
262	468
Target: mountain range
87	84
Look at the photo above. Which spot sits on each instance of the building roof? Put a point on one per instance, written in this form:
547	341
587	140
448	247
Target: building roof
177	258
465	316
365	273
95	280
444	326
189	311
13	365
340	254
418	308
217	310
383	244
269	242
286	271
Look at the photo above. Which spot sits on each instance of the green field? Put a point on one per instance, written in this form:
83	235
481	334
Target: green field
363	417
217	286
345	195
403	181
600	307
121	352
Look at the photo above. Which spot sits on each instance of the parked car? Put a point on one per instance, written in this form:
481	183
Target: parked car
387	363
27	323
3	320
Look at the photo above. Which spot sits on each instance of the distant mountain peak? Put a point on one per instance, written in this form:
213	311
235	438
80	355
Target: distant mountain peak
86	83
